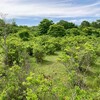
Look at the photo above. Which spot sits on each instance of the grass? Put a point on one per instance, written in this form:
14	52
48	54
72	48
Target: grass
57	71
51	67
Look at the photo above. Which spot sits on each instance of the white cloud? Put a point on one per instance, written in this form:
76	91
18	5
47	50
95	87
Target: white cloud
15	9
78	21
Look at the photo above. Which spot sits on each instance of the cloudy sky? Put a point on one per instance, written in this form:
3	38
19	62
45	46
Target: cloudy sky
31	12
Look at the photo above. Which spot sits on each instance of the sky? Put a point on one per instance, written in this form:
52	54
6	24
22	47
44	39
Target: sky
31	12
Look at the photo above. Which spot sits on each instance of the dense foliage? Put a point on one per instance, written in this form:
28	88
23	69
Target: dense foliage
51	61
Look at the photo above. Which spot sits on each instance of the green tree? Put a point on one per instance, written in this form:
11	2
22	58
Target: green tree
4	34
85	24
38	52
56	30
24	34
96	24
73	31
66	24
91	31
44	26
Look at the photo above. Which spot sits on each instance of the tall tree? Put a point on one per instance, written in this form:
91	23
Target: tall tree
4	35
66	24
44	26
85	24
96	24
56	30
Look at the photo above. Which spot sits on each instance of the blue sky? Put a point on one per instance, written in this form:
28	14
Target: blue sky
31	12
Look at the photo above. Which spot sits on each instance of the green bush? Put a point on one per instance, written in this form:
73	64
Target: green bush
24	34
56	30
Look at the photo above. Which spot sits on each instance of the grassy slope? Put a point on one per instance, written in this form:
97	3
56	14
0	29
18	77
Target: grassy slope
52	68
